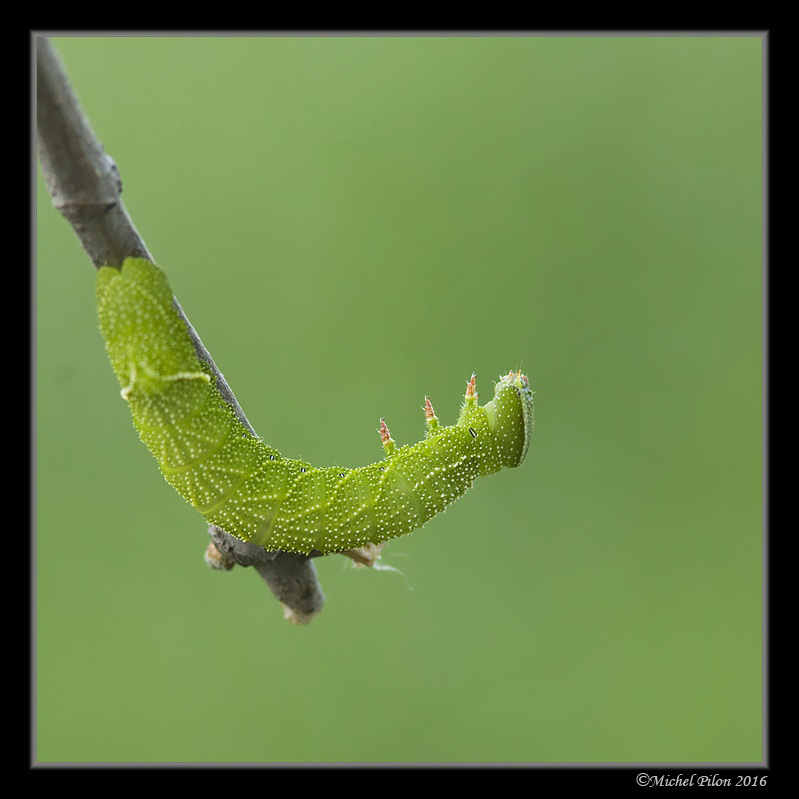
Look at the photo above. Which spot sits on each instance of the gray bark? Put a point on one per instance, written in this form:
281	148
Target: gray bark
86	188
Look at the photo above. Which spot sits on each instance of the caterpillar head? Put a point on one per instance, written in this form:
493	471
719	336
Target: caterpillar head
511	415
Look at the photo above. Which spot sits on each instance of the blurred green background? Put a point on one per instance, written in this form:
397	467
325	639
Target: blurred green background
353	223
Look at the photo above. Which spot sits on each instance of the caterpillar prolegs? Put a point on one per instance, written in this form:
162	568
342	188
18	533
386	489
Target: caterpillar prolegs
239	483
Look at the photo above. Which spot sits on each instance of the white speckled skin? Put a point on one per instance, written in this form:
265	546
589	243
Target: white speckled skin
247	488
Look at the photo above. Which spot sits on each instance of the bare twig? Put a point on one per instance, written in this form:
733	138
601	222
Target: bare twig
81	178
291	577
85	186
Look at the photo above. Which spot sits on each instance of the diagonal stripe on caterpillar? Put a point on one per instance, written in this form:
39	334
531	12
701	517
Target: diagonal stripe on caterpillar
249	489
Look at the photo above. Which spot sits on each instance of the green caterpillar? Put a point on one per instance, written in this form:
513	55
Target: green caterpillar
249	489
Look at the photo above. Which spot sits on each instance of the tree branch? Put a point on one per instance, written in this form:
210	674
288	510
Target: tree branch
85	187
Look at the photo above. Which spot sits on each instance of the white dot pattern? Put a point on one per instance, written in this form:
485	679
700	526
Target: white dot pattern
247	488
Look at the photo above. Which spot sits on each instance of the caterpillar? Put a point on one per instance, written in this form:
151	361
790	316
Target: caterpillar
239	483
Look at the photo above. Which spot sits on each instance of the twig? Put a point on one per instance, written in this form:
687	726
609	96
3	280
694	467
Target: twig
85	187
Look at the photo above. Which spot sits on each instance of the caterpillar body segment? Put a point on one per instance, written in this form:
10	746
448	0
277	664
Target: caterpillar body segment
247	488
